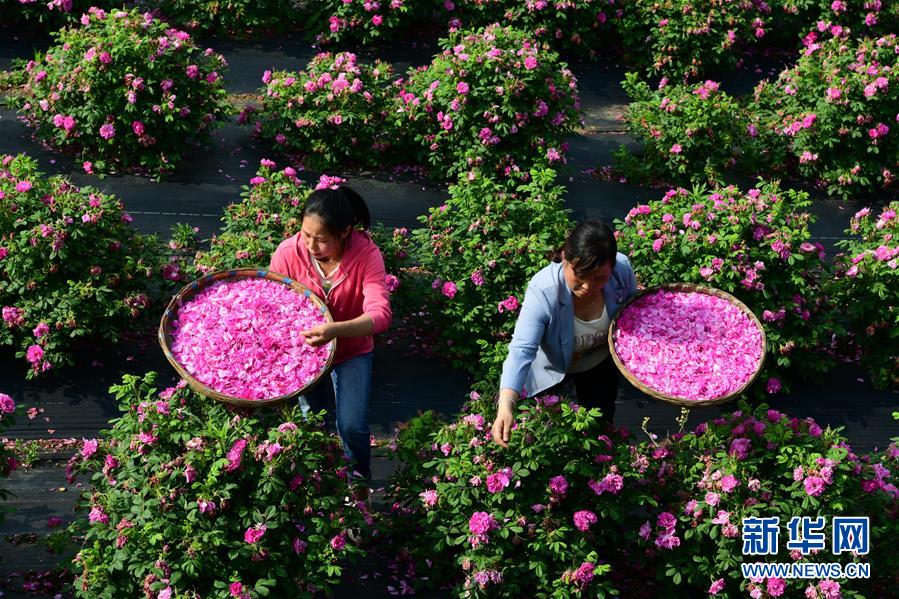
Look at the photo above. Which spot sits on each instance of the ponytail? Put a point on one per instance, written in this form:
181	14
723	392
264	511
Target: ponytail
338	209
555	255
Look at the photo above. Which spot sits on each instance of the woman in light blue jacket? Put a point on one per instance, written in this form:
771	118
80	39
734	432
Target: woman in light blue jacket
562	330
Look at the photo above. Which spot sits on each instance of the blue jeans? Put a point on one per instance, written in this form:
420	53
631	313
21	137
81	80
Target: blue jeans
351	386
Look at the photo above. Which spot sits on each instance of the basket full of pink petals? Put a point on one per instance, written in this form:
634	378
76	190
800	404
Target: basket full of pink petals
234	336
687	344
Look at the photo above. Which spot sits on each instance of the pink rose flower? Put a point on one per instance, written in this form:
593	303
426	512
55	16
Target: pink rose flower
814	485
716	587
481	523
98	515
7	404
449	289
498	481
584	519
729	483
558	485
254	533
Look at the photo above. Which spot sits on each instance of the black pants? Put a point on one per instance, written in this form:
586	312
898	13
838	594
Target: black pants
595	388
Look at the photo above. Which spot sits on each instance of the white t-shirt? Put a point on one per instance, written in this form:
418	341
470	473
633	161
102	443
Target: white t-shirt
591	343
326	281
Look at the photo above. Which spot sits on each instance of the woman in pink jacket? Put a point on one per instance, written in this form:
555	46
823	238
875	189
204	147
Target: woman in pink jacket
340	263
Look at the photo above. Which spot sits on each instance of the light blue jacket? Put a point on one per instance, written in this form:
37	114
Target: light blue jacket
542	345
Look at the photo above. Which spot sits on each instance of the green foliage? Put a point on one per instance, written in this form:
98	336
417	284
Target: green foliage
123	91
181	483
668	511
690	133
365	22
687	38
578	27
758	462
494	101
832	114
48	15
454	475
796	18
71	265
756	246
866	286
268	213
481	248
229	16
8	461
332	113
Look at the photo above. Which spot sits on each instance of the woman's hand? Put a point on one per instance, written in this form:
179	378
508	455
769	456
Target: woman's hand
320	335
505	418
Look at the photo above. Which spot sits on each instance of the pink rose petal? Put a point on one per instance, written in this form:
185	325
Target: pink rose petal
242	338
688	345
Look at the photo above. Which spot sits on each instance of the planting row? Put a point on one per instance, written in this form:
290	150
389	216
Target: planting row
831	119
190	498
124	91
679	38
74	271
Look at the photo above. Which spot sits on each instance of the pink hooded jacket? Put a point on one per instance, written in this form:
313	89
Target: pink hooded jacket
359	289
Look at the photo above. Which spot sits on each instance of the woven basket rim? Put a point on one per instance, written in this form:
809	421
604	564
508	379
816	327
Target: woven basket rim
184	295
680	401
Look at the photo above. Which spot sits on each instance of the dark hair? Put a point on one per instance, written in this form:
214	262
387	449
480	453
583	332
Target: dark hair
338	209
590	245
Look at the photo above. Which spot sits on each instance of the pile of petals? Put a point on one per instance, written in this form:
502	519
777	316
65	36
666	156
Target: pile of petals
688	345
242	338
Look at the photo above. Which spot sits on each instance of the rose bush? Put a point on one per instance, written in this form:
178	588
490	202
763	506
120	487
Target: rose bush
232	16
493	99
123	91
332	113
268	213
754	245
190	498
476	517
407	282
481	248
685	38
8	462
866	286
794	18
71	267
337	21
689	133
52	14
576	26
760	463
542	519
833	112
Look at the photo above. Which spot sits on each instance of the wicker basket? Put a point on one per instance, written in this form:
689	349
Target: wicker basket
679	401
165	333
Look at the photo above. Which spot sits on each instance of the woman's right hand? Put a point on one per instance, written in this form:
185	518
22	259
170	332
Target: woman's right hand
505	418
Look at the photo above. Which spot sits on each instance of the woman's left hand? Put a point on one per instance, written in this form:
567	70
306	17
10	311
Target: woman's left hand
319	335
